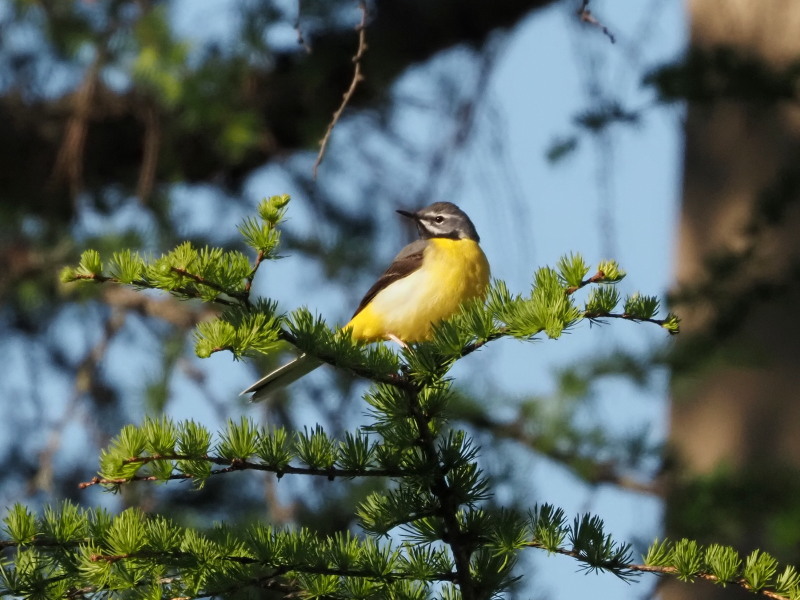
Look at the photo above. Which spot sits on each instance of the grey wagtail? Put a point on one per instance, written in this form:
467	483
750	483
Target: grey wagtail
426	283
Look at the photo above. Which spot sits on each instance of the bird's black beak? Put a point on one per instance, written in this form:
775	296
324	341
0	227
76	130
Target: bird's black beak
410	215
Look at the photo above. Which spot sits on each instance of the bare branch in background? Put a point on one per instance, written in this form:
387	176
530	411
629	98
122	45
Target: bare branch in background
586	16
85	379
69	161
168	309
357	77
151	143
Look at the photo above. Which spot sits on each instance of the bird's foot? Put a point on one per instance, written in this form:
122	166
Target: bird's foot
394	338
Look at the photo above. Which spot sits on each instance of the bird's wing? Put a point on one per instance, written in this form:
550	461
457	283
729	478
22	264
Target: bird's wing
408	260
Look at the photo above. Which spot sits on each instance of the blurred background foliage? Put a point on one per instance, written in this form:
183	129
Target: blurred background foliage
108	114
120	132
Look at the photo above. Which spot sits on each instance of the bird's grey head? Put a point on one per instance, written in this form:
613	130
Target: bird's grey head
444	220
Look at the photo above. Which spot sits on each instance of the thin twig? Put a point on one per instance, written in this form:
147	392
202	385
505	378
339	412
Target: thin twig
586	16
597	277
234	465
658	570
597	318
208	283
357	77
141	283
249	281
665	570
282	569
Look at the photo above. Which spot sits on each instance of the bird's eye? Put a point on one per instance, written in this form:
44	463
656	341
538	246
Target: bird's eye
439	219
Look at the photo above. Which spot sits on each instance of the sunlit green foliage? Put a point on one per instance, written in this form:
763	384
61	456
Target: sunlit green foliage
722	565
446	542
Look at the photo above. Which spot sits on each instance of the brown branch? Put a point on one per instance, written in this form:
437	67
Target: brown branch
151	143
69	160
477	345
597	277
193	294
586	16
141	283
357	78
591	470
249	281
84	381
663	570
208	283
281	569
244	560
234	465
168	309
597	317
667	570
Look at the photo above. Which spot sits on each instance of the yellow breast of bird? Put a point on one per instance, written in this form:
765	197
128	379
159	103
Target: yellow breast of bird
452	272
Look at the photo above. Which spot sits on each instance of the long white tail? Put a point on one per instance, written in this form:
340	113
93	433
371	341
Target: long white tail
282	376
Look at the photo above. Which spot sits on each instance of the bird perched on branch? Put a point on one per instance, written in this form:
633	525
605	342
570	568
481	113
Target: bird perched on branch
426	283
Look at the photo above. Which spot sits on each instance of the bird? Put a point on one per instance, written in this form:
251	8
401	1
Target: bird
426	283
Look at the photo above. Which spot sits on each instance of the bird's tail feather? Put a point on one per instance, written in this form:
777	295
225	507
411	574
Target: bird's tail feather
282	376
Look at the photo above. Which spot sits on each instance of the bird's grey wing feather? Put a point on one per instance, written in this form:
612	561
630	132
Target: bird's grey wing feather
408	260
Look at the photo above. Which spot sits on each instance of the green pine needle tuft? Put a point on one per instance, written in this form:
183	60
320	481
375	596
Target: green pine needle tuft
315	448
641	307
239	440
549	526
611	271
602	300
759	569
19	525
687	559
127	266
571	270
723	562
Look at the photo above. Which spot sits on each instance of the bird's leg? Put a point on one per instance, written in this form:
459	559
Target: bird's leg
394	338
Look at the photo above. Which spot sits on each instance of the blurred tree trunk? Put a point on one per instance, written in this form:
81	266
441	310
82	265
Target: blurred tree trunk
735	414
